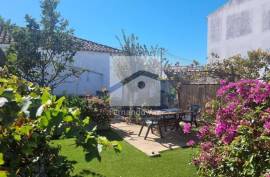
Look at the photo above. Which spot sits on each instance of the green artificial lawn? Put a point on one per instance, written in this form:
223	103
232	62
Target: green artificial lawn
130	162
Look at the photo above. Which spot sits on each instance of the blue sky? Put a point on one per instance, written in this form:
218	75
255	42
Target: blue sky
180	26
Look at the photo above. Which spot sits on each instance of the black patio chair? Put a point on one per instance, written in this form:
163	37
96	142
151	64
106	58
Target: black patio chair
150	122
171	120
192	115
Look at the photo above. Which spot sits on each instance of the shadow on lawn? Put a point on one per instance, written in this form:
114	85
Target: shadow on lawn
111	135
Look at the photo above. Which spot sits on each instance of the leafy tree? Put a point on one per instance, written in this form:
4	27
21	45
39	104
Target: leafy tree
5	30
29	118
184	74
43	51
131	46
254	66
147	57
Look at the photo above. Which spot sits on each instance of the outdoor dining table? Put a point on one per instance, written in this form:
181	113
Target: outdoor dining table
163	118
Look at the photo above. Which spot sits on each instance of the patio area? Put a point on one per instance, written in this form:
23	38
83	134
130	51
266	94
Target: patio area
153	144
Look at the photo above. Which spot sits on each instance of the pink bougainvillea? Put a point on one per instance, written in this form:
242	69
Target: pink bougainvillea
267	175
237	140
266	126
206	146
220	128
186	128
191	143
203	131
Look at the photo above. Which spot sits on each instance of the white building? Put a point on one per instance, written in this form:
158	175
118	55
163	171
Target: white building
238	27
96	59
93	57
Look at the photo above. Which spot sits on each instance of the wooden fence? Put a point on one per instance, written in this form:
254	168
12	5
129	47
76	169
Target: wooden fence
196	94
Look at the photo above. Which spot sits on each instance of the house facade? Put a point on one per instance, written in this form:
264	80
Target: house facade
238	27
93	57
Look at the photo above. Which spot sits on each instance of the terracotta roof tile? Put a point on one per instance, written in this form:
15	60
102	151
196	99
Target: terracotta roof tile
95	47
5	38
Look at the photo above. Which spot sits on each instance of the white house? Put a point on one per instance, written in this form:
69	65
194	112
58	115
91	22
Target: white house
93	57
238	27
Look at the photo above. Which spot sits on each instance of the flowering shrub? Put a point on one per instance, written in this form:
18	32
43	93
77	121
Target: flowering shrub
191	143
29	117
237	141
186	128
98	109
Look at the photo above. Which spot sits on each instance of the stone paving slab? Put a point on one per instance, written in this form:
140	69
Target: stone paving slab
153	145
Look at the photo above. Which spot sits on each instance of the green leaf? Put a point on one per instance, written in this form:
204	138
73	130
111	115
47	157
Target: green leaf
3	80
76	112
55	112
117	146
86	121
251	158
45	96
67	130
68	119
2	159
265	138
17	137
2	89
26	129
3	173
18	98
48	114
44	121
59	103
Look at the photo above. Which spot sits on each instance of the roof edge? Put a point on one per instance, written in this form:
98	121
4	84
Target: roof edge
116	50
228	3
86	45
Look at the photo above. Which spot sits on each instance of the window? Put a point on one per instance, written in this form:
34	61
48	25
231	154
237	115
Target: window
238	25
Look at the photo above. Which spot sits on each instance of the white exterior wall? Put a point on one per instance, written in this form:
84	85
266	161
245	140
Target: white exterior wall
95	79
238	27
